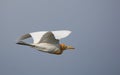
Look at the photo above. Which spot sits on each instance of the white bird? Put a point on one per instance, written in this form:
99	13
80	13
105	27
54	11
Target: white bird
47	41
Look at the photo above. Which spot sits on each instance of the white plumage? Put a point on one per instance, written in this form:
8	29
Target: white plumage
47	41
58	35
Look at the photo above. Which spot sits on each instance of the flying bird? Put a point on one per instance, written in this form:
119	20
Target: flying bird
47	41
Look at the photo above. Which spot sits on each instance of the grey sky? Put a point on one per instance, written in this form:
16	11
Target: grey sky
96	36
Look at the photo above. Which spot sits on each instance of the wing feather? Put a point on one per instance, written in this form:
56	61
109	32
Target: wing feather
49	38
57	34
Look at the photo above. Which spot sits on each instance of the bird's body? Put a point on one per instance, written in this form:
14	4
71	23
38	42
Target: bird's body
46	47
47	41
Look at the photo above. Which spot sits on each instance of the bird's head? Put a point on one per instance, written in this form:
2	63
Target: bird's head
65	47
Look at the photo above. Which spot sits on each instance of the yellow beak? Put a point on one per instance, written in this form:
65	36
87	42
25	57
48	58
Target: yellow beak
70	47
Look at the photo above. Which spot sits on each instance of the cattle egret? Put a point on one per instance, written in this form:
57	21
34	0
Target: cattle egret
47	41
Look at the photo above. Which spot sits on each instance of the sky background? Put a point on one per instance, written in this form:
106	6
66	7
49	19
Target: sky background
95	26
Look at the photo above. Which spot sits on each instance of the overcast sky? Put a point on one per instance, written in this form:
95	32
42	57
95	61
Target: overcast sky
95	26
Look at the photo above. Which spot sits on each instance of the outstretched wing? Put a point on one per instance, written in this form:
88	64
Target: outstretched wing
48	37
57	34
25	36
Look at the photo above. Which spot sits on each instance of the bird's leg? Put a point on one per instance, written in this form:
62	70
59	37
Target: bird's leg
23	43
